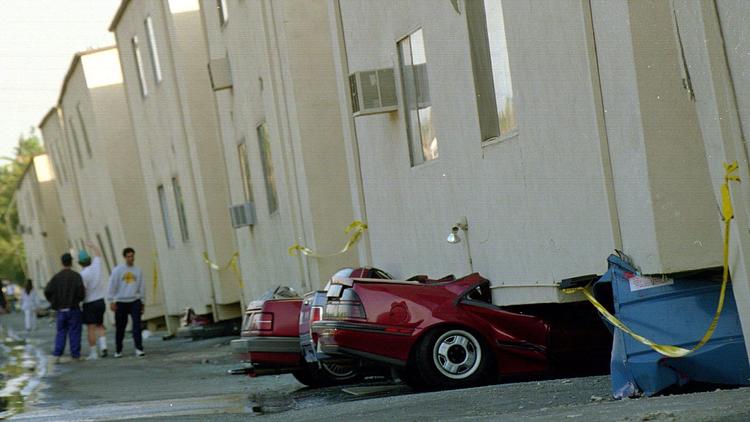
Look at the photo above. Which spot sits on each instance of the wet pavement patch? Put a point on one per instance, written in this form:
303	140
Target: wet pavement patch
20	371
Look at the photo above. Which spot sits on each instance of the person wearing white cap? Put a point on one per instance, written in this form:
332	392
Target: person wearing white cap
93	306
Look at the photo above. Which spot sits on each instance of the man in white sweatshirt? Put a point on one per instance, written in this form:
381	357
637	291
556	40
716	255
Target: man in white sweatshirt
93	306
126	293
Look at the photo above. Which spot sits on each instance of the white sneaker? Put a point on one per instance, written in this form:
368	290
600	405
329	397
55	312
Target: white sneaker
139	353
118	355
102	343
92	355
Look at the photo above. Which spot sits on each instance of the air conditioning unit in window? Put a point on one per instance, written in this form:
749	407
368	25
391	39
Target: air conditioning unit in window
373	91
243	214
220	73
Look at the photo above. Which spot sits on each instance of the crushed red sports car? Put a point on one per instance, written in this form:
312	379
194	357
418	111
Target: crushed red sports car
276	338
447	333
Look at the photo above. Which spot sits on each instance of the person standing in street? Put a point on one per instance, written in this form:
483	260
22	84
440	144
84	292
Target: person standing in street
29	305
10	296
65	292
126	295
3	303
93	306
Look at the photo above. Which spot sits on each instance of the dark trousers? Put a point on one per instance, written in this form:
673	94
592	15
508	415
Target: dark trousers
68	325
121	321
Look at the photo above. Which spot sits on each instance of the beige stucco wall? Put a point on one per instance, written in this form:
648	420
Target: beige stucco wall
111	187
715	50
282	72
59	149
40	214
177	136
667	211
541	205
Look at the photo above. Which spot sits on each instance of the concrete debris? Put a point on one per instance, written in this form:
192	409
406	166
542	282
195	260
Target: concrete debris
659	416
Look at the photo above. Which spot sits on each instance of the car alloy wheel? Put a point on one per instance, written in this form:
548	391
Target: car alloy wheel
339	372
457	354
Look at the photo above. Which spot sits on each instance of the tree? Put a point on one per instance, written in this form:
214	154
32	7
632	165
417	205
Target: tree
11	246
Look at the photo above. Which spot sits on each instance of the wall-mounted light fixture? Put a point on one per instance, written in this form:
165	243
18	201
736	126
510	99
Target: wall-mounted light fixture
458	229
460	225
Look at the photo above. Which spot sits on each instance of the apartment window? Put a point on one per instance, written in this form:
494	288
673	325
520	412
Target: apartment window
152	47
165	216
221	5
420	131
104	254
267	162
69	149
31	207
83	130
112	250
492	80
57	162
245	170
139	66
180	209
74	135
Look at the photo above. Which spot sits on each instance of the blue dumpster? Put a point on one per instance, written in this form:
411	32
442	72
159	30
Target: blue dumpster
675	311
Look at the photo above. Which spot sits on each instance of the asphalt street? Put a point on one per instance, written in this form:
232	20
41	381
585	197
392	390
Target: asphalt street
181	379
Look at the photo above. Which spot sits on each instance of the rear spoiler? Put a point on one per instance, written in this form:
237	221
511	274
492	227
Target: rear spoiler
349	282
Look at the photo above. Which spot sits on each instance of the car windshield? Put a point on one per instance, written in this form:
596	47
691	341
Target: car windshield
279	292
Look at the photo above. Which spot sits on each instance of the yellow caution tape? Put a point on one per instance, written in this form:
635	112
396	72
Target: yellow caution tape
357	227
155	276
727	212
231	264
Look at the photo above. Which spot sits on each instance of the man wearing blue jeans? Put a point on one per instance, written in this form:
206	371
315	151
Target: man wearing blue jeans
126	292
65	292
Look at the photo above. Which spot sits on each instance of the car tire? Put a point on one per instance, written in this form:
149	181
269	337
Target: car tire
303	376
452	357
410	376
327	374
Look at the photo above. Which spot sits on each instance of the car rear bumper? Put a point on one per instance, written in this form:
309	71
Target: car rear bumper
266	344
267	350
366	341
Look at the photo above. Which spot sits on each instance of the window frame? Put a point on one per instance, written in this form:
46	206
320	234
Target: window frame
56	157
410	99
139	65
83	130
168	234
77	145
488	107
247	181
223	8
269	174
153	49
180	207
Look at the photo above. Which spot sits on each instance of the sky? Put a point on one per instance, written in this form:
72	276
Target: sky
37	41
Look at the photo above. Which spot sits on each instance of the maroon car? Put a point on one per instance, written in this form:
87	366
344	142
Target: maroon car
269	338
276	338
447	333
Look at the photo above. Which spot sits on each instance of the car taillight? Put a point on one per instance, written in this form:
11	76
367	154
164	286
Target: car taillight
246	322
316	314
261	321
348	306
